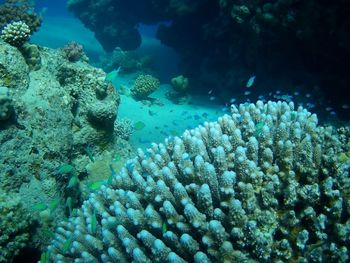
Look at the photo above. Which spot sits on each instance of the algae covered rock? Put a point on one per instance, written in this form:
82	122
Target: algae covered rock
15	225
44	125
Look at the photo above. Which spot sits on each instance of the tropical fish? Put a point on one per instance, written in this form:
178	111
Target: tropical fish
164	227
196	117
152	113
67	244
247	93
139	125
250	81
96	185
65	169
205	115
40	206
45	257
93	222
54	204
211	98
259	128
345	106
210	92
232	100
69	204
72	181
225	109
143	141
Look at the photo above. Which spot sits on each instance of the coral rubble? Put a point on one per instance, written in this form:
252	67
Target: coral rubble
262	185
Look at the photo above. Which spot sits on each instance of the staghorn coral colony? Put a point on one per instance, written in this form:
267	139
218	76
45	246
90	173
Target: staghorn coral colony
262	185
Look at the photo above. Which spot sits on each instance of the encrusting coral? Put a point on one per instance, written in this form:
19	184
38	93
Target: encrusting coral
262	185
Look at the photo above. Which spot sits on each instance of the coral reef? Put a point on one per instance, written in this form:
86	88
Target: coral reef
15	33
222	42
180	84
49	117
126	61
262	185
49	103
123	128
144	85
20	10
14	226
31	54
74	52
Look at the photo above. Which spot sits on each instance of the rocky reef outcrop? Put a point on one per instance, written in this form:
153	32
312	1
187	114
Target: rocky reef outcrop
52	117
222	42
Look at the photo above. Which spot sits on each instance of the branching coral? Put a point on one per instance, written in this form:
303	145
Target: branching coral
261	185
16	33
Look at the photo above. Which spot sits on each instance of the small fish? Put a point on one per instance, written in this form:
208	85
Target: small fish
96	185
311	105
212	98
143	141
210	92
184	113
164	228
247	93
224	109
205	115
308	95
45	257
329	109
232	100
72	181
261	97
296	93
69	204
93	222
333	113
112	75
152	113
157	127
139	125
250	81
278	92
67	244
118	69
345	106
164	133
174	123
40	206
196	117
65	169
